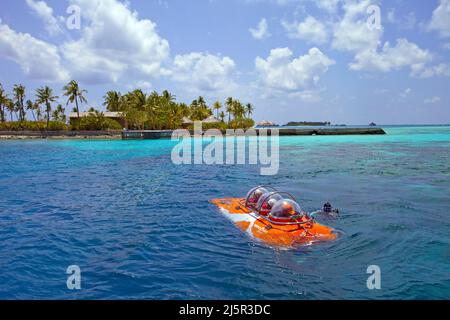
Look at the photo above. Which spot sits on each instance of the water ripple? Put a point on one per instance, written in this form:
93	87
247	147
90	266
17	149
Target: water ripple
140	227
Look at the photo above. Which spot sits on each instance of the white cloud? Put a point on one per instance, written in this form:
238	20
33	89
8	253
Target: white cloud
405	93
328	5
311	96
115	45
43	11
204	71
352	32
37	59
409	21
447	46
440	20
432	100
114	42
261	31
405	22
422	71
141	84
280	71
311	30
391	18
403	54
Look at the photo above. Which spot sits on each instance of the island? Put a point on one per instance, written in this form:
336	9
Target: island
135	115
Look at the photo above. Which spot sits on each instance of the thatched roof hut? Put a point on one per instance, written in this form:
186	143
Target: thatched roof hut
266	123
187	121
106	114
211	119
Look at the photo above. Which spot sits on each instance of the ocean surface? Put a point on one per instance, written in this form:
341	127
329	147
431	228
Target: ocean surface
140	227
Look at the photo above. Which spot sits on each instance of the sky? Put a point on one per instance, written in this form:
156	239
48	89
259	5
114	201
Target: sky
344	61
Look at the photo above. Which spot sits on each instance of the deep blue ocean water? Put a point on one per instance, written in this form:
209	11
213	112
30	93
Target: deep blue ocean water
140	227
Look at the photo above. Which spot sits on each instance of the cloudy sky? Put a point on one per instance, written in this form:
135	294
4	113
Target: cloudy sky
293	59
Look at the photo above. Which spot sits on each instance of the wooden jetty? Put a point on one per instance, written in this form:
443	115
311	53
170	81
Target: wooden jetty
322	131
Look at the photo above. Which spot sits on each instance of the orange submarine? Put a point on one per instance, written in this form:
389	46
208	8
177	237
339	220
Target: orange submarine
274	217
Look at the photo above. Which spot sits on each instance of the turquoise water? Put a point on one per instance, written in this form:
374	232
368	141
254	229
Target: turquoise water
140	227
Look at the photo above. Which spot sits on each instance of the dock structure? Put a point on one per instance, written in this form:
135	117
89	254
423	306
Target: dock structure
146	134
321	131
330	131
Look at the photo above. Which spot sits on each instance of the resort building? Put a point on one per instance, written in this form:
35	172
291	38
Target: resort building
117	116
211	119
187	122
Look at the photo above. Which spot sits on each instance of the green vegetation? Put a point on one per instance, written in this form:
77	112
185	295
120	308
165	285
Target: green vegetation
96	120
33	125
137	109
161	111
222	126
45	96
74	93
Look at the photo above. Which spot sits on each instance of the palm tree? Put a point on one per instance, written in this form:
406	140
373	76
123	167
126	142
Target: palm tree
139	99
201	101
112	101
199	110
31	106
38	112
193	110
168	96
2	112
249	109
99	118
59	114
16	109
238	109
74	93
174	116
229	103
45	96
222	116
152	107
217	106
3	102
37	109
9	104
184	109
19	95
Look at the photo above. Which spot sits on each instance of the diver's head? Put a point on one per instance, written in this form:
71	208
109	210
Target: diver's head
327	207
